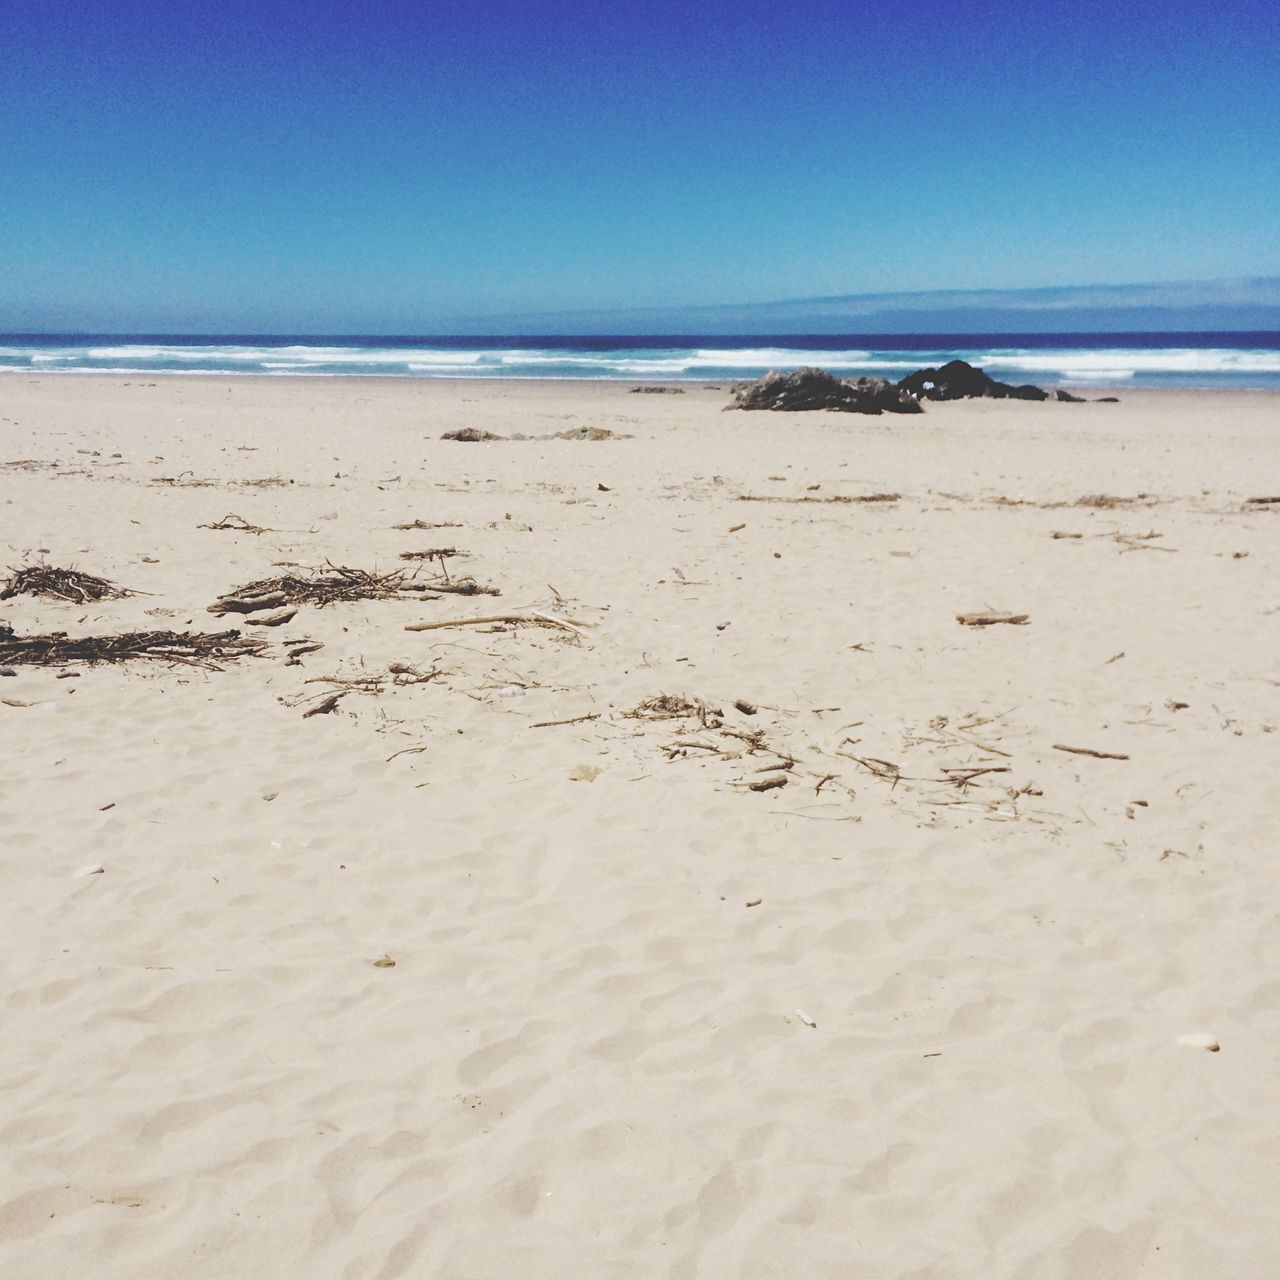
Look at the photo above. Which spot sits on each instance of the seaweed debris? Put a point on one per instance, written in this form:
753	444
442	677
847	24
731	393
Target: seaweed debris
673	707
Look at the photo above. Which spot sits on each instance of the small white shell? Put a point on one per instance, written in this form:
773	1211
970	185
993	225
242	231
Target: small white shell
1200	1041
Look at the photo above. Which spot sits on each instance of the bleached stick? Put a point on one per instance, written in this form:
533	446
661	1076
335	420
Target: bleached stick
532	616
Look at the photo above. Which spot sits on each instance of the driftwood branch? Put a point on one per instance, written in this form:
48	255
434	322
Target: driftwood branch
533	616
1089	751
990	619
550	724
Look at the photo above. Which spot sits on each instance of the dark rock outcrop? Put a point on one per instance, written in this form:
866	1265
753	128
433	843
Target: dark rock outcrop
1067	398
818	389
959	380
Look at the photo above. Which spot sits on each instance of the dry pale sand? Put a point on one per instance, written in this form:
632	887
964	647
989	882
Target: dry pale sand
945	1043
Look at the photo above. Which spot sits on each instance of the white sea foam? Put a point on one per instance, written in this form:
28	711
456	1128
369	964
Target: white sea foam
1182	365
1121	362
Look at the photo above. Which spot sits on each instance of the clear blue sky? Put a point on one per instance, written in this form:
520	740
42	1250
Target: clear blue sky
386	166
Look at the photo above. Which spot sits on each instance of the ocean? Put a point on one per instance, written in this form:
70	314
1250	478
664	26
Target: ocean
1200	360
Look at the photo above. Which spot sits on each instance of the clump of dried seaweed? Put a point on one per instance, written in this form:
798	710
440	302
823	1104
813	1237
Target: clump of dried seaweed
28	464
192	648
671	707
331	584
588	433
52	583
471	435
1109	501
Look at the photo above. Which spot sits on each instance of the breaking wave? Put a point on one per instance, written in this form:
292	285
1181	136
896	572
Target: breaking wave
1248	360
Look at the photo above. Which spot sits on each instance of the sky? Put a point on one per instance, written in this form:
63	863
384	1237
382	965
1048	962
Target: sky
383	166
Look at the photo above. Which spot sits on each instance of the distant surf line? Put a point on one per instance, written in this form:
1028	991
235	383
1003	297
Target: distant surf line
1202	360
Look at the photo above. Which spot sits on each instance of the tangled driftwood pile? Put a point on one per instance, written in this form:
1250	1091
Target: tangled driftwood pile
60	584
194	648
332	584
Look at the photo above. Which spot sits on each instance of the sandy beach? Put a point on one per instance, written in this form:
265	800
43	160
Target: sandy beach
501	966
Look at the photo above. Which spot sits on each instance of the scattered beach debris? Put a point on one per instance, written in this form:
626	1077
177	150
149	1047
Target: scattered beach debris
808	1021
96	869
992	619
237	524
1109	501
674	707
471	435
425	524
650	389
806	389
585	773
332	584
386	962
28	464
194	648
184	480
1089	751
1262	502
586	433
1138	541
51	583
831	500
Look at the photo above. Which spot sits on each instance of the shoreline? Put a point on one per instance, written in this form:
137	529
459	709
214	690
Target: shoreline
1089	390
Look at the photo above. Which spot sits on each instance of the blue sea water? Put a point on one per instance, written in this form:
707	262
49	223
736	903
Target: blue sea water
1207	360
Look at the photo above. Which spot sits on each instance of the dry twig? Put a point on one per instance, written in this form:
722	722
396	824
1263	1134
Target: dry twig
237	524
1089	751
991	619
